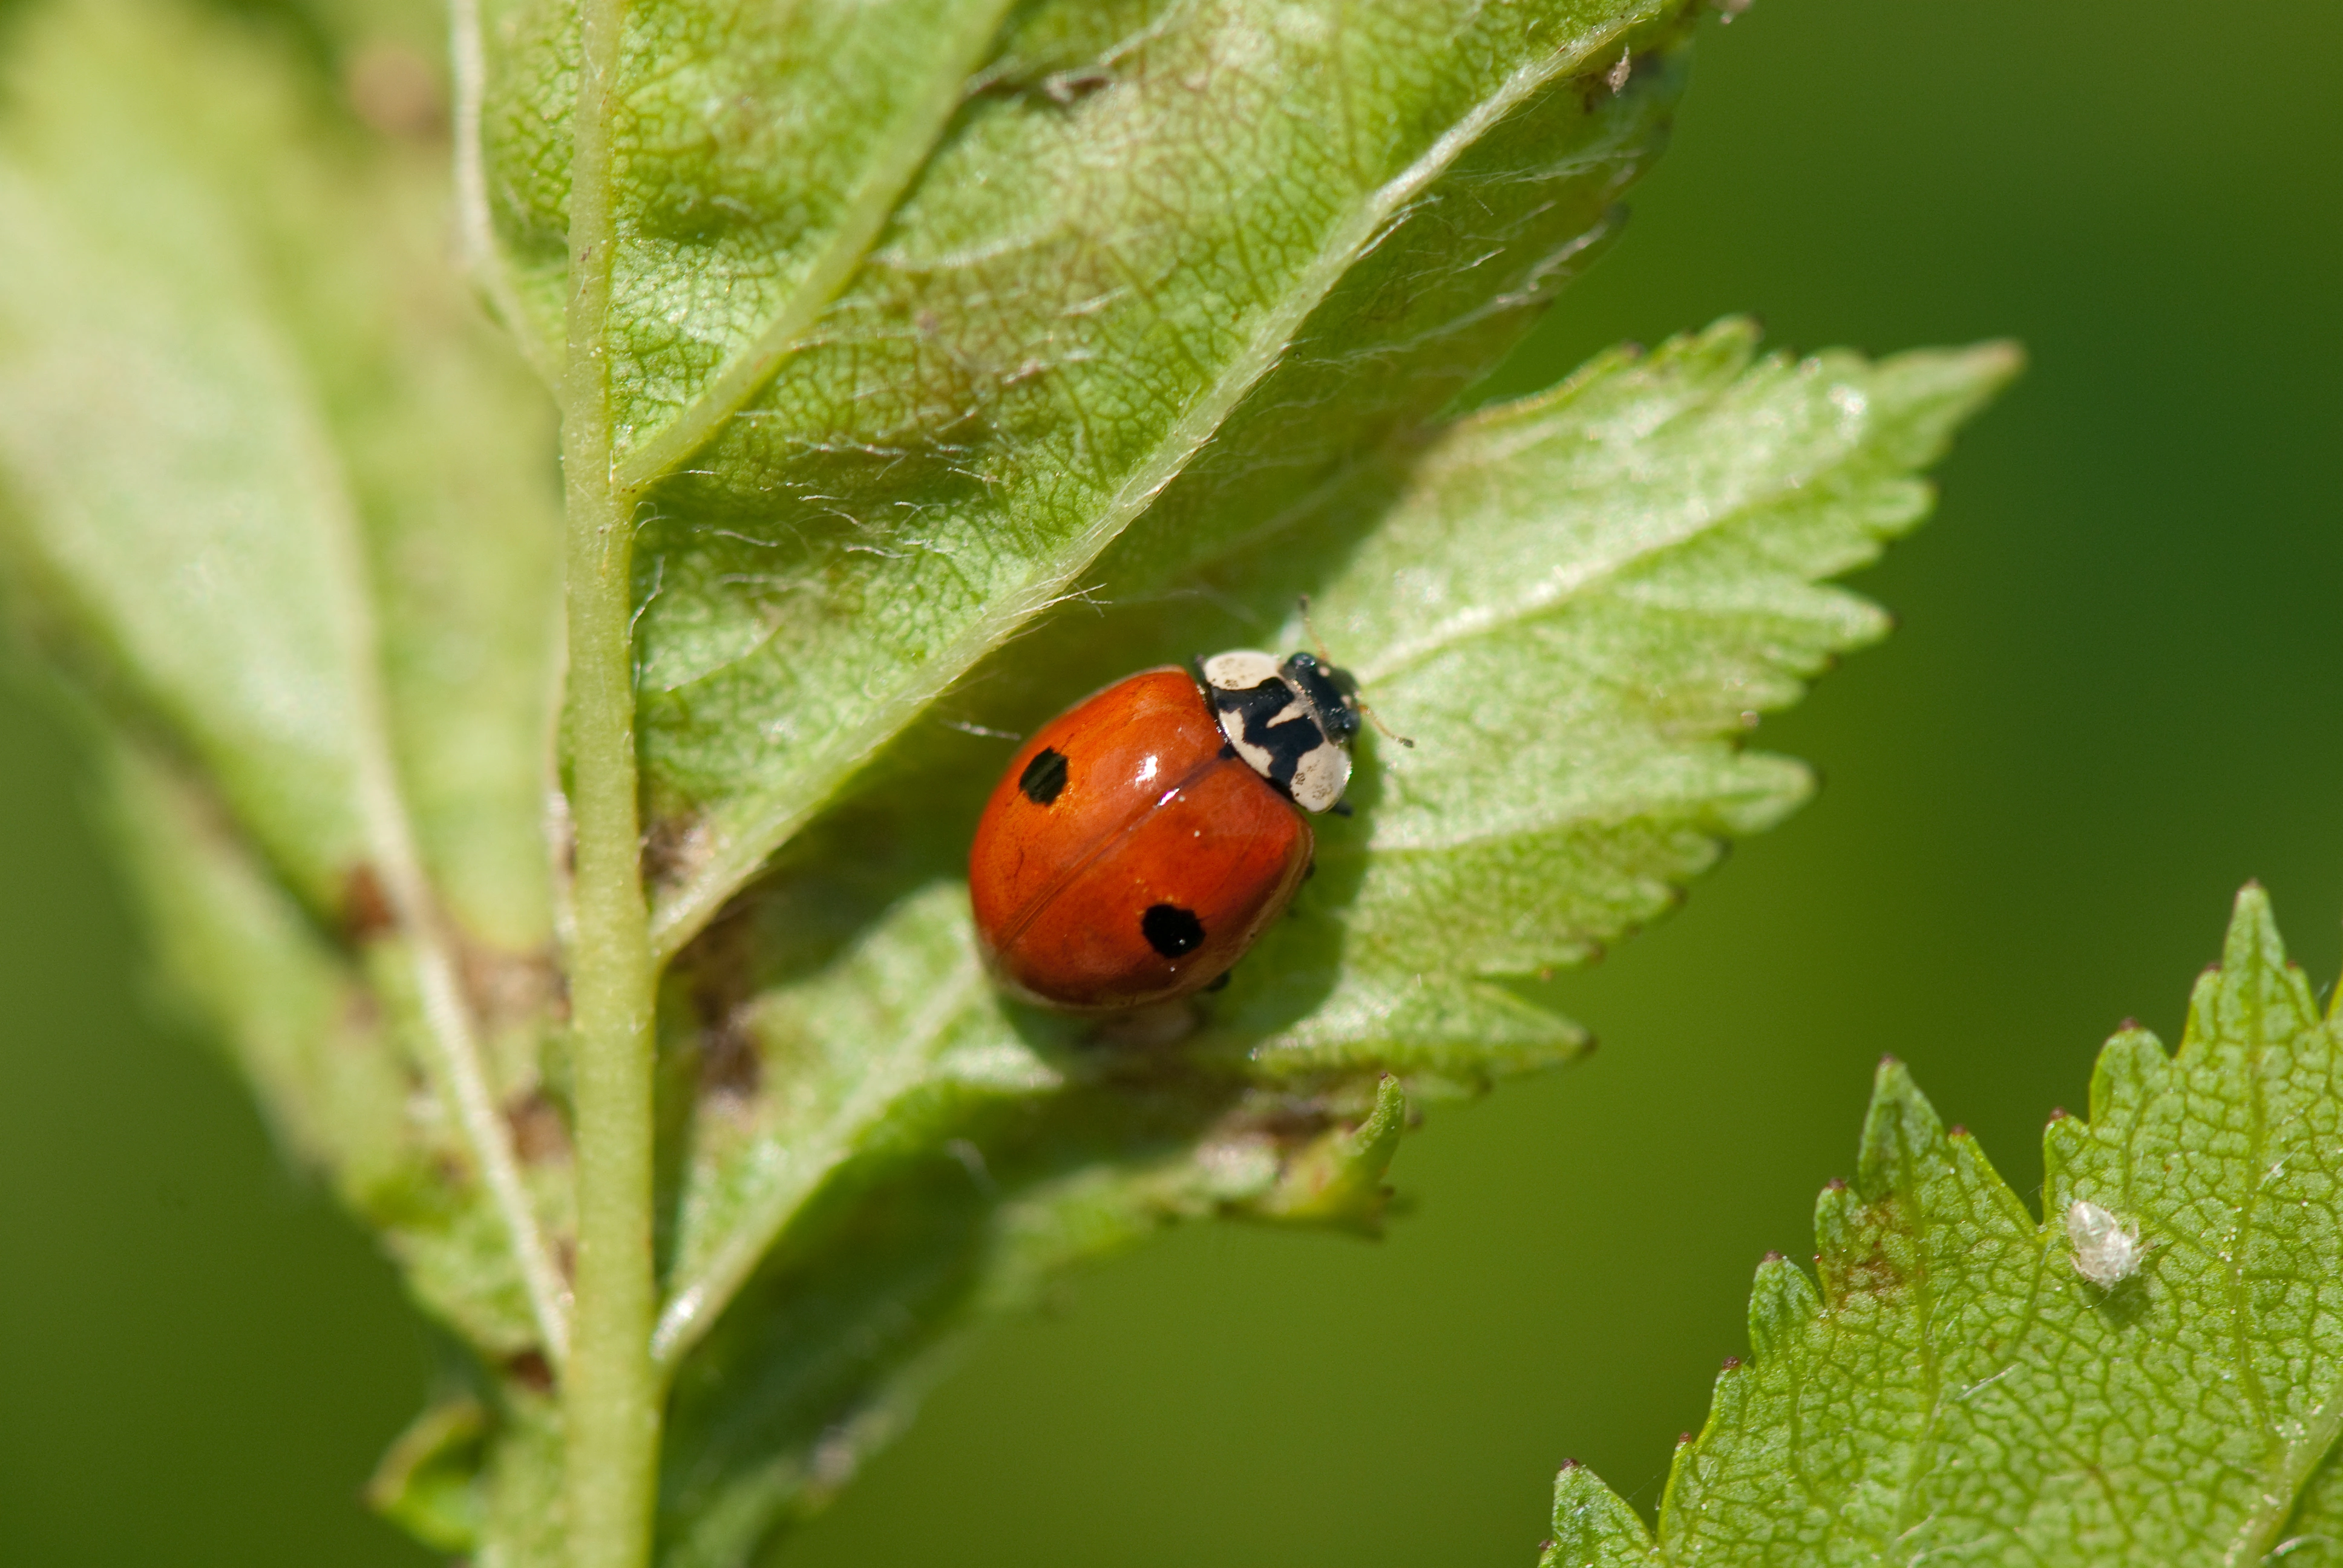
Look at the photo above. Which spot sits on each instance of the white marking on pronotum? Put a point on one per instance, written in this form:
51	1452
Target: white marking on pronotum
2107	1251
1241	670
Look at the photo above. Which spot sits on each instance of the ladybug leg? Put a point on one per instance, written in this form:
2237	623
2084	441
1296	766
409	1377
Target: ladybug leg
1340	808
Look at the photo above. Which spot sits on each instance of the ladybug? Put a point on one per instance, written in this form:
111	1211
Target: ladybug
1142	839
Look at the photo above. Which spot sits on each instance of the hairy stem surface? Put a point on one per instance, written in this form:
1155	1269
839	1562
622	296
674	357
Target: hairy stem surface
611	1396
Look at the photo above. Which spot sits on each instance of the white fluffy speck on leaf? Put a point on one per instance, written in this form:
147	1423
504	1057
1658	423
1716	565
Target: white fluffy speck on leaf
2107	1251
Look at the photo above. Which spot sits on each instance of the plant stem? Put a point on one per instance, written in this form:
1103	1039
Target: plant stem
610	1391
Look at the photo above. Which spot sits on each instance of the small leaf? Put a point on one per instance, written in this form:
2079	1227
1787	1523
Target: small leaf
427	1482
1337	1179
1958	1390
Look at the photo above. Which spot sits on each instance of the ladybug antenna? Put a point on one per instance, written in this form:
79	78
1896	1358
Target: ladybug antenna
1385	730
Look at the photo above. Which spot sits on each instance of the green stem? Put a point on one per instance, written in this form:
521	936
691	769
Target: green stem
611	1390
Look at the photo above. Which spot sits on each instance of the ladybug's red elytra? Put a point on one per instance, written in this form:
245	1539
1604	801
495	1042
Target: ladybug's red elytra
1142	839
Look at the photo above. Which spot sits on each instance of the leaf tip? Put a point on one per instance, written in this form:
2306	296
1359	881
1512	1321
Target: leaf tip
1998	361
427	1482
2253	928
1337	1179
1899	1125
1781	1302
1593	1527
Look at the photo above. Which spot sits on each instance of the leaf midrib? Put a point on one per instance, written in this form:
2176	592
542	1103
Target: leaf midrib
1573	581
1490	436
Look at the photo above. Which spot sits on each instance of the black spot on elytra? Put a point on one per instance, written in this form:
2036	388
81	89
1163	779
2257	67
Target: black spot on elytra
1171	930
1044	778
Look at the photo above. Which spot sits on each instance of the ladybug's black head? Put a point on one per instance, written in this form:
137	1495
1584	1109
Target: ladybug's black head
1332	693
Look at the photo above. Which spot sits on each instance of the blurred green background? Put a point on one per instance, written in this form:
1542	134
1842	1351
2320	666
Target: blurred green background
2102	712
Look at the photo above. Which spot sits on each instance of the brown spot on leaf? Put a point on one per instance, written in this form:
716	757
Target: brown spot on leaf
540	1134
719	968
1874	1272
676	846
729	1061
365	914
507	988
531	1370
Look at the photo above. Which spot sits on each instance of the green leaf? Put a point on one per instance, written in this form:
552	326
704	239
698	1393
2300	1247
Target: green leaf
1114	263
425	1482
1955	1391
267	486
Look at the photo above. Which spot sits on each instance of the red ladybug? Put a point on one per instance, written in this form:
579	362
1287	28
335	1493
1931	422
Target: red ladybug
1142	839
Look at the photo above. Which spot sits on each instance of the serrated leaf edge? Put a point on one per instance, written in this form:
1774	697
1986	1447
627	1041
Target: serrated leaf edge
1900	1126
1991	366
